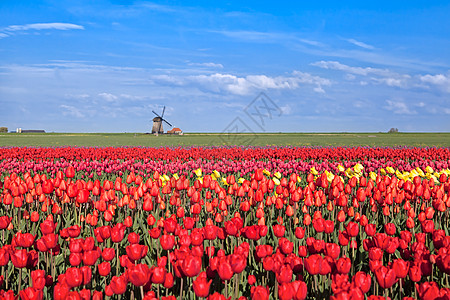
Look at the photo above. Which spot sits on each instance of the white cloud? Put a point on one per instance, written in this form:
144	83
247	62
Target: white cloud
267	37
108	97
439	80
41	26
399	108
378	76
286	109
71	111
244	85
207	64
334	65
13	29
360	44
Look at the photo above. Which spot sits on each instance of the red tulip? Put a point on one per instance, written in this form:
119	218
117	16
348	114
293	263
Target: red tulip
19	258
313	264
60	291
225	271
428	290
400	267
259	293
70	172
167	241
4	256
285	291
47	227
168	281
159	275
108	254
386	277
285	246
363	281
210	232
238	262
170	225
118	285
24	239
201	285
50	240
352	229
74	277
74	231
90	257
136	251
133	238
343	265
299	232
285	274
4	222
278	230
104	268
192	265
139	275
332	250
31	293
117	233
300	289
38	279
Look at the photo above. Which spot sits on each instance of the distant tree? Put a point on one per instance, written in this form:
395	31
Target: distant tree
3	129
393	130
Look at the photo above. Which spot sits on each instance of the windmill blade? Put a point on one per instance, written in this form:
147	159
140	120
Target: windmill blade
155	113
162	115
167	123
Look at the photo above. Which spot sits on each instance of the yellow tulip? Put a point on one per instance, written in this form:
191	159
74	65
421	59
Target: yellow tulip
349	173
314	171
265	171
390	170
330	176
224	181
276	181
299	179
166	178
429	170
341	168
176	176
241	180
216	173
277	175
198	172
420	172
200	179
373	175
358	168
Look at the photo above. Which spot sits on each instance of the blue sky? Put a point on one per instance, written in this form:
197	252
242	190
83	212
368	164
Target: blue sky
324	66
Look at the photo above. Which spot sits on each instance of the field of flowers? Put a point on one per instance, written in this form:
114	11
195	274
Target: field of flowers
224	223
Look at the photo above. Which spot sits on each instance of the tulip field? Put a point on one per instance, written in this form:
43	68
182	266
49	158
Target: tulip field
224	223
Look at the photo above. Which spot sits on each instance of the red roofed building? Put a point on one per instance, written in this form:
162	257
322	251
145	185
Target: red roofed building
175	130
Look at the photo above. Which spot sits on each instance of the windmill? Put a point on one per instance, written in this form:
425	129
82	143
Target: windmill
157	122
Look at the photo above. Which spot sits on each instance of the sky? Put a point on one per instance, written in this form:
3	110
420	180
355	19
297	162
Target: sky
225	66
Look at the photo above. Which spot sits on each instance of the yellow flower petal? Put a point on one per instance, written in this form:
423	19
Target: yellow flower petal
198	172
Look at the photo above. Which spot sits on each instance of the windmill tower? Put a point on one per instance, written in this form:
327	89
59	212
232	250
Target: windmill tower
157	123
